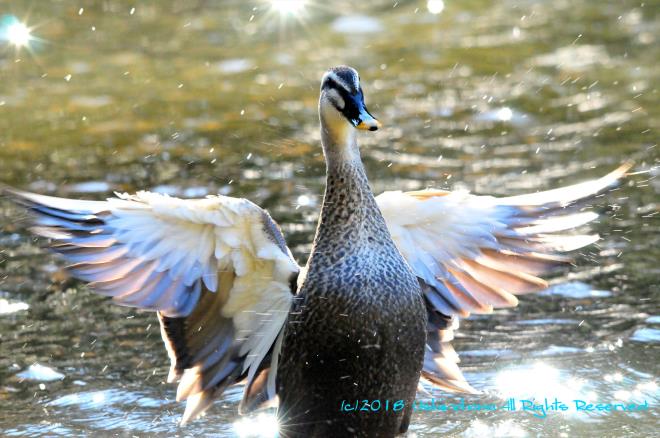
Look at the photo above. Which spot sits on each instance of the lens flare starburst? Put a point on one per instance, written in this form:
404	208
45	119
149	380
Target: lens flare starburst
288	17
288	7
15	32
18	34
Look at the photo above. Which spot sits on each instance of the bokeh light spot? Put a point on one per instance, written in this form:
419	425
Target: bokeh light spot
435	6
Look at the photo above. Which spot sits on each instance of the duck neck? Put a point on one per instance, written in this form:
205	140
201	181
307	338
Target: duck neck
339	141
348	203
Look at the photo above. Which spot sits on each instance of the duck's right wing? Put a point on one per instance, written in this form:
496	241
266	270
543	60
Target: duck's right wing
217	271
472	253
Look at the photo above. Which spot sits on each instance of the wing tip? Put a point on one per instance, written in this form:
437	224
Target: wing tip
450	385
19	196
613	178
623	169
195	406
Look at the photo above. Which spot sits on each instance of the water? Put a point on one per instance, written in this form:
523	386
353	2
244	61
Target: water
195	98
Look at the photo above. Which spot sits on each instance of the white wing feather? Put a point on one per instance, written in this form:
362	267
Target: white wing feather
473	253
215	269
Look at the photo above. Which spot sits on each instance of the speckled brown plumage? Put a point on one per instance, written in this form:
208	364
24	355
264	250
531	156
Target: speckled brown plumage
357	327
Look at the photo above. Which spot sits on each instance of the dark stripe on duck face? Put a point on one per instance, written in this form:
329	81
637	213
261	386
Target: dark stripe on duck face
352	105
332	81
352	101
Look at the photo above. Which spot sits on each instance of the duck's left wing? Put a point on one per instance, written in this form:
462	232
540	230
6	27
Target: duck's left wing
217	271
475	253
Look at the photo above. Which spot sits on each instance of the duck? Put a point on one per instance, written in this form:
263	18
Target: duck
371	313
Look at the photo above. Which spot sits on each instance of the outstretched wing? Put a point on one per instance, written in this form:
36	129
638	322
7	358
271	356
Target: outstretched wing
217	271
475	253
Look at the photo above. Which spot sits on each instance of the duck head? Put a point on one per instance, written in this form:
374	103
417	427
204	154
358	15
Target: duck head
341	94
342	110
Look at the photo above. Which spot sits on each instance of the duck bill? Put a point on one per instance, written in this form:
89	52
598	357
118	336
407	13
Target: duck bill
366	121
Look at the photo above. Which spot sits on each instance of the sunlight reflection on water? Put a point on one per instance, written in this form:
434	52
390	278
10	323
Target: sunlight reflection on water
7	307
506	428
40	373
539	381
263	425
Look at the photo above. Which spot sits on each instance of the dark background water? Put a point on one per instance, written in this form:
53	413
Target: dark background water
199	97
